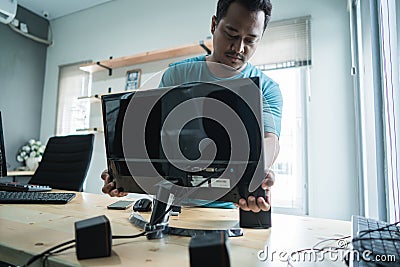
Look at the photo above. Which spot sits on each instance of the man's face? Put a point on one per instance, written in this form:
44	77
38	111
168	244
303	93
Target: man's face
236	36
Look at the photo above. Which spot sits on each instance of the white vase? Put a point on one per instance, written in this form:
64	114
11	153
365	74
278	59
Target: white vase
32	163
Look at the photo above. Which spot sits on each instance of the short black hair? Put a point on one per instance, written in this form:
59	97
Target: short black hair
250	5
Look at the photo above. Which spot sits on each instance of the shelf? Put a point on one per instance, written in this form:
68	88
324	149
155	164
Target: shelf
91	98
20	173
94	97
156	55
91	130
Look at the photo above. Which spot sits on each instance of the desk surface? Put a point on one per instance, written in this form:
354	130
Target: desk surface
30	229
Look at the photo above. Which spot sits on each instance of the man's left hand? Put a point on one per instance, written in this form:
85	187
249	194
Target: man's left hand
260	204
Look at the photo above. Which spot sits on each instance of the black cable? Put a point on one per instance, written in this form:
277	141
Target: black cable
59	248
374	238
45	257
362	233
41	255
49	252
128	236
360	238
383	228
317	250
330	239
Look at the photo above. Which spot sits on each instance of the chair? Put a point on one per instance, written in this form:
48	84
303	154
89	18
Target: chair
65	162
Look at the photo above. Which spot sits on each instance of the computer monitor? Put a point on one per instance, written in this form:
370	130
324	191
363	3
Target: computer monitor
195	141
3	165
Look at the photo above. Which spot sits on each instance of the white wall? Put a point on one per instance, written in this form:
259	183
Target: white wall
125	27
118	28
22	68
331	131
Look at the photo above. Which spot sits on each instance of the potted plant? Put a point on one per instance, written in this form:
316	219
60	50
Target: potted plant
31	153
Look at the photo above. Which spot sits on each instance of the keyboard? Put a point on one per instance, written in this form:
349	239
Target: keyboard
35	197
377	243
24	187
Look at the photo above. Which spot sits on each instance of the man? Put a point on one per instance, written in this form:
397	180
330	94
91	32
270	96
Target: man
237	28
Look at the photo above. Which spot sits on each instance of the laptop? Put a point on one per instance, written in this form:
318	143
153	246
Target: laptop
375	243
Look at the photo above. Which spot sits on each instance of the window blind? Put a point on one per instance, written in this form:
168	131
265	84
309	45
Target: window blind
286	43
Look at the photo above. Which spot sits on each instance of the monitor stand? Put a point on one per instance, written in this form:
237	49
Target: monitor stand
159	231
158	227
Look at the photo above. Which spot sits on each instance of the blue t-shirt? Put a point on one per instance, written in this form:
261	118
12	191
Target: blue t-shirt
195	70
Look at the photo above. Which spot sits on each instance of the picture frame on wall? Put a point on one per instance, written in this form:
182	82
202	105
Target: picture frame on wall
133	79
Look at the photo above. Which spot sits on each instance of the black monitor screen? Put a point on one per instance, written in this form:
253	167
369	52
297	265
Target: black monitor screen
3	165
200	133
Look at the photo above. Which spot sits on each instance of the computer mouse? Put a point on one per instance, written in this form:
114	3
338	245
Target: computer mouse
143	204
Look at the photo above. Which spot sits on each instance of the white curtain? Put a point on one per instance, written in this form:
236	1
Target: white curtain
375	47
391	96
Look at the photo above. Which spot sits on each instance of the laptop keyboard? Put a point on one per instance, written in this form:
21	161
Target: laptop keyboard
381	239
35	197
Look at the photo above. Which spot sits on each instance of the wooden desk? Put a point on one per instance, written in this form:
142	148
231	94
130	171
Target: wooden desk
30	229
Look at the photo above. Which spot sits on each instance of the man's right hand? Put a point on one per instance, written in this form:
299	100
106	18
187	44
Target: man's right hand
109	187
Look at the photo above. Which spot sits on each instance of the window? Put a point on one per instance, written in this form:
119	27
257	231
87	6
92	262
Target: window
284	55
289	191
72	113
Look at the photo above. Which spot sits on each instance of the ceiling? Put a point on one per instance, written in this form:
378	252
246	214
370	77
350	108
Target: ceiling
58	8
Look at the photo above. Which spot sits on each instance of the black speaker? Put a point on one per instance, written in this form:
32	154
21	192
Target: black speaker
93	238
210	249
259	220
